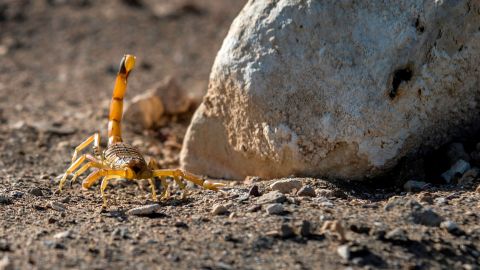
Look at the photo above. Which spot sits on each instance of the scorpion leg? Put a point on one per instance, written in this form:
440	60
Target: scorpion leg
93	163
94	176
152	187
189	177
153	164
104	186
70	169
182	187
165	191
95	138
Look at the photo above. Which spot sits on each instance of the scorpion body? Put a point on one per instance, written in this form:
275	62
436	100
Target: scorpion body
122	160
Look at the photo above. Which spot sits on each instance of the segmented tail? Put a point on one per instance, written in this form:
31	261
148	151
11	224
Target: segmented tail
116	106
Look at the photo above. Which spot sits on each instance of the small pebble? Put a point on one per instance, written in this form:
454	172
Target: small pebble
414	185
63	235
181	224
6	263
144	210
469	176
286	231
353	251
4	245
36	191
344	252
275	209
254	191
307	191
426	217
397	234
305	228
440	200
287	185
57	206
272	197
120	233
16	194
450	226
219	209
5	199
460	167
254	208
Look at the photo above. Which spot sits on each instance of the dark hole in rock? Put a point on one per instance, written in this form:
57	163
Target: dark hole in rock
400	75
419	26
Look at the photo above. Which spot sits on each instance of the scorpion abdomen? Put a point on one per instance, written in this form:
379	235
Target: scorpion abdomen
121	155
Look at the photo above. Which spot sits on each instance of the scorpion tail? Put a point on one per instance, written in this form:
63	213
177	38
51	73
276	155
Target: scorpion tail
116	105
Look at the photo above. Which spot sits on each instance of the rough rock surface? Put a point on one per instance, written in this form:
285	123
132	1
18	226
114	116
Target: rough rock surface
338	89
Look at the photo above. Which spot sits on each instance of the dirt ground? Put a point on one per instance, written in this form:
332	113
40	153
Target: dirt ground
58	61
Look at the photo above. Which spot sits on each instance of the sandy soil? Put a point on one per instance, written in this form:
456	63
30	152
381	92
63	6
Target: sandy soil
57	65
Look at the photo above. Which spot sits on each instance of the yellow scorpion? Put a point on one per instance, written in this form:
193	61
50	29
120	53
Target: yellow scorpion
121	160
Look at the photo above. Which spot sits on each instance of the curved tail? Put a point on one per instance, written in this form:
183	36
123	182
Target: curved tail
116	105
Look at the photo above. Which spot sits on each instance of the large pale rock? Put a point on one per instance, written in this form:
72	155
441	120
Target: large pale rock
336	88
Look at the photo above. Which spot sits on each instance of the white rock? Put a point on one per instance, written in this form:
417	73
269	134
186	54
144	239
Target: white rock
219	209
340	89
6	263
344	252
144	210
460	167
275	209
449	225
63	235
286	185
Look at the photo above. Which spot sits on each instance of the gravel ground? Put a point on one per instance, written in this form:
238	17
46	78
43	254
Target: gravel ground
58	60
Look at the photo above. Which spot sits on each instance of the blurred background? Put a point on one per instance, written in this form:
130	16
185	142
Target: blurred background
58	63
58	58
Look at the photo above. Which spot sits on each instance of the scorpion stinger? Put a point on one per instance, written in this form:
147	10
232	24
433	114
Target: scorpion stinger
122	160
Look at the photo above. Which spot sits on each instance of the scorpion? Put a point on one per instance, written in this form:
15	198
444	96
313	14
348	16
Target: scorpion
122	160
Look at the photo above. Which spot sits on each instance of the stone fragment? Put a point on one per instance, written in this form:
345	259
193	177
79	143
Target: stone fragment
286	231
334	227
275	209
426	216
289	96
459	168
6	263
57	206
254	191
63	235
272	197
286	186
5	199
307	191
397	235
36	192
219	209
412	185
450	226
469	176
352	250
4	245
144	210
304	228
